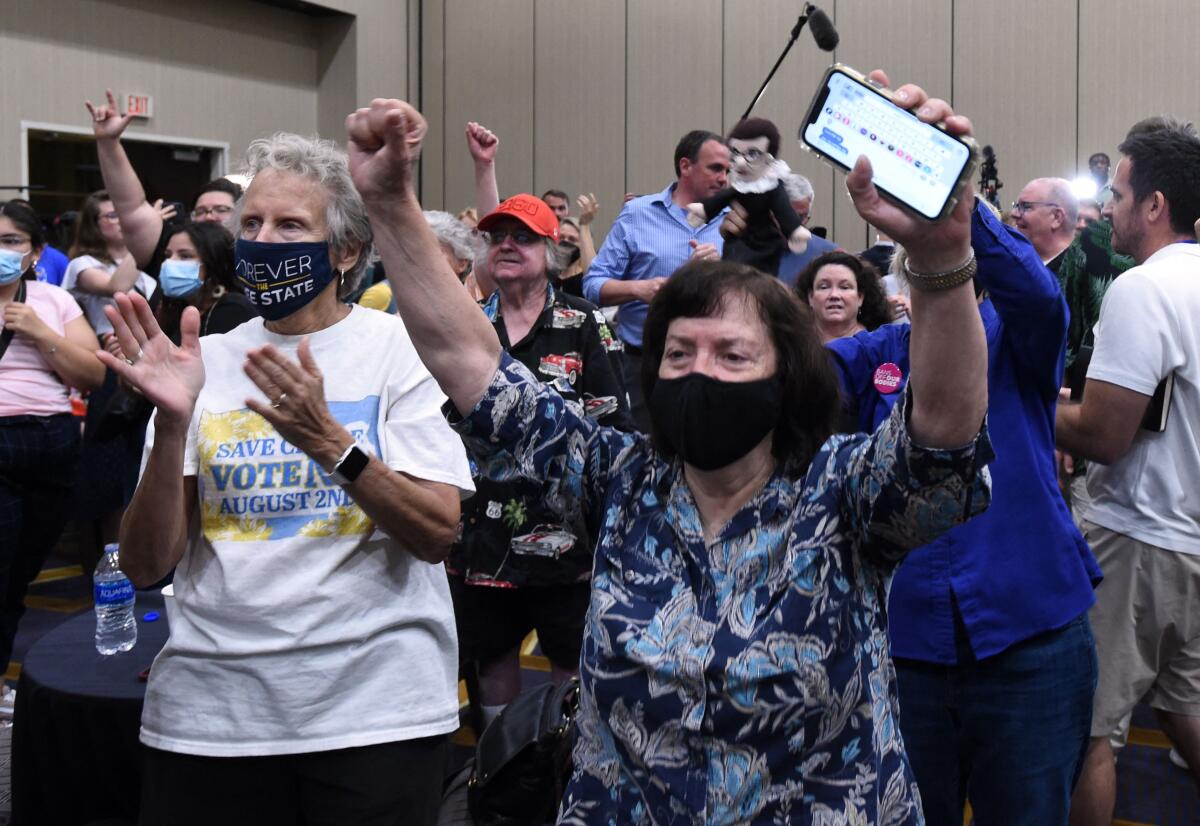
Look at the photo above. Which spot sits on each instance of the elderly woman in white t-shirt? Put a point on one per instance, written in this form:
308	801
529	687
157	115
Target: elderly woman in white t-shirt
303	484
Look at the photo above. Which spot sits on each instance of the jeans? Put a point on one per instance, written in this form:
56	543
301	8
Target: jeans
1008	732
38	455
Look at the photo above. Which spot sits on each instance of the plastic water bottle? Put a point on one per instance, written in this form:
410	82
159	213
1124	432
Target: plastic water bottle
116	625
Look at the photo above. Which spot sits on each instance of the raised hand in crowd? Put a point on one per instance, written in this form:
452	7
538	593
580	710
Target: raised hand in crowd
482	143
949	401
141	221
588	207
108	124
383	142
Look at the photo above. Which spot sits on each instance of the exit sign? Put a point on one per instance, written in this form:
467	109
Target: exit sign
139	106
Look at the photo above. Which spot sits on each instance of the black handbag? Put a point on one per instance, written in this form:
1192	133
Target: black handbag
523	759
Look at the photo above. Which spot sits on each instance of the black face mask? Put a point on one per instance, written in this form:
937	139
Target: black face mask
569	252
711	423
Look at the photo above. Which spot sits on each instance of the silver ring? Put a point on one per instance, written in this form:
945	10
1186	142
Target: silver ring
280	400
135	359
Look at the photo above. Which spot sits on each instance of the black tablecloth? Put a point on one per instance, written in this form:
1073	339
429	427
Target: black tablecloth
76	758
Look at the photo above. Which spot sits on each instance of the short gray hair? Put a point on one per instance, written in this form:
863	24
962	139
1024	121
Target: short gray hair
325	162
454	234
798	187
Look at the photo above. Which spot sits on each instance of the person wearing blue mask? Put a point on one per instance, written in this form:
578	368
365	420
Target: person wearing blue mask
302	482
46	347
197	271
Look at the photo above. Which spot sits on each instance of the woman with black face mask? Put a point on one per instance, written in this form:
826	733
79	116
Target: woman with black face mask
303	484
735	662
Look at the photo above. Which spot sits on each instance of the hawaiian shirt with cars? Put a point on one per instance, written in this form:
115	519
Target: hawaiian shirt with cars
507	539
744	679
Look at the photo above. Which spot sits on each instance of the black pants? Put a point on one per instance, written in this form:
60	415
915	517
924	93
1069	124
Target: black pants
631	358
390	784
38	456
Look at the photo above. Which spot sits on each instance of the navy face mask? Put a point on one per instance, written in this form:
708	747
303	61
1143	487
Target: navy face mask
279	279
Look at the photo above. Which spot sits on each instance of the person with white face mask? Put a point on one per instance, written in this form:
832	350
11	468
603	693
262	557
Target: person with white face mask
46	346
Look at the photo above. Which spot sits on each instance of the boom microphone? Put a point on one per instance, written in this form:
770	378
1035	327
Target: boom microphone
822	29
823	32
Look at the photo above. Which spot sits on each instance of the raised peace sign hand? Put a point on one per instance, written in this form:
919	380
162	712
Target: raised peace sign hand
107	121
170	377
932	247
384	141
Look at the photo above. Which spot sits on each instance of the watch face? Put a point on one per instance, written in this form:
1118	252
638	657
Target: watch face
349	468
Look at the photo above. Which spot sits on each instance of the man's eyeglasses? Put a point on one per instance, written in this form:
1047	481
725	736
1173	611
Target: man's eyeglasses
1025	206
203	212
520	237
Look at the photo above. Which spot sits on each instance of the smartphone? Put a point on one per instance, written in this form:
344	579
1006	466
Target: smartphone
915	164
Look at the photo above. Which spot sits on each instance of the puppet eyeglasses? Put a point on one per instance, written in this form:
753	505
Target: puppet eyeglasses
750	155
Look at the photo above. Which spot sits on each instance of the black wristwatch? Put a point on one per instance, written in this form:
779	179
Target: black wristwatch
349	466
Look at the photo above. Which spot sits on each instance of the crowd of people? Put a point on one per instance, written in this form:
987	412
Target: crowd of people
856	538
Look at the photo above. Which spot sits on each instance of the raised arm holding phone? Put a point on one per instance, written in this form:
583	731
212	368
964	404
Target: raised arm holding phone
740	481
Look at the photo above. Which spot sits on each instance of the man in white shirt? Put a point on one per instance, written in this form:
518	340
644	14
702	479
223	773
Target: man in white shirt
1139	424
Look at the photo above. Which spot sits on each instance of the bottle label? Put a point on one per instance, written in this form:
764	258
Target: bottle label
114	593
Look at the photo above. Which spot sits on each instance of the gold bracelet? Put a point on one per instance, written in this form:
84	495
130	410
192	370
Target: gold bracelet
931	281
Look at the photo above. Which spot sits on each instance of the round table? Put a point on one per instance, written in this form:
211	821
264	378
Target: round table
76	758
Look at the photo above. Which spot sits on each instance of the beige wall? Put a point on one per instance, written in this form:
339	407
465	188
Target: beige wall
592	96
222	71
219	70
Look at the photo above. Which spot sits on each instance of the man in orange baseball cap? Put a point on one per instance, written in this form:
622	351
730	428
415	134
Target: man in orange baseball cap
527	209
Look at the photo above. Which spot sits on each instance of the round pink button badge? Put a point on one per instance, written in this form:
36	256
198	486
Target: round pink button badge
888	378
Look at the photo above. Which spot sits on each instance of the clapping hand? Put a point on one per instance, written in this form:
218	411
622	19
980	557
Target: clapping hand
384	143
107	121
297	407
482	143
170	377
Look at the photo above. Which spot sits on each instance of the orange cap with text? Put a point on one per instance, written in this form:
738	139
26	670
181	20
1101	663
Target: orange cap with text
529	210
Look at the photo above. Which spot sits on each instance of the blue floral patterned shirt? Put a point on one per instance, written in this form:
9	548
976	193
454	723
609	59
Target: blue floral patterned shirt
746	680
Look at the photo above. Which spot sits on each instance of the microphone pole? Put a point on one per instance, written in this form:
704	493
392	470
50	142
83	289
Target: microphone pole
796	29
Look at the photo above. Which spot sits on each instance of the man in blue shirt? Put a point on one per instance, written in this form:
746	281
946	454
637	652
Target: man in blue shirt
650	240
994	655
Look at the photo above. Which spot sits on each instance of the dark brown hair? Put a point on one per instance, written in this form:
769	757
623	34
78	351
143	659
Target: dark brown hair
751	128
874	311
698	289
88	239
